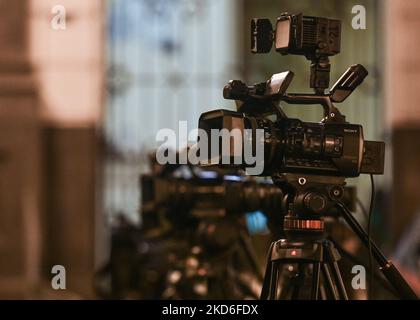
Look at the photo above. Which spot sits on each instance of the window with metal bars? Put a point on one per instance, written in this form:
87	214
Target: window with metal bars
168	61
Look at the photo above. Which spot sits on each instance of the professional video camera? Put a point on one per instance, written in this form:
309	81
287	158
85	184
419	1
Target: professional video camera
307	161
207	209
194	241
332	147
208	194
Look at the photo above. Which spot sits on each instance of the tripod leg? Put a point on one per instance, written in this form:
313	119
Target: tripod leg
250	253
355	260
267	276
284	284
315	280
339	281
328	281
332	256
273	281
322	292
390	272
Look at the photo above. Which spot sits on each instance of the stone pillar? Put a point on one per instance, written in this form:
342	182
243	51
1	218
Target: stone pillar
70	69
20	229
403	109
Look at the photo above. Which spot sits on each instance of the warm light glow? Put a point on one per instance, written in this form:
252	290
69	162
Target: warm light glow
69	63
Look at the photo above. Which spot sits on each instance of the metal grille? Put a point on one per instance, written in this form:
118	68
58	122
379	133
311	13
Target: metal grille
168	61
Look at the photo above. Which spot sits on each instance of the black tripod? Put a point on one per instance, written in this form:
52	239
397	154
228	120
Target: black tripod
318	257
304	265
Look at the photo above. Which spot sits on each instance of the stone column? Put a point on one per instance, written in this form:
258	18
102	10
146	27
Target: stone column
20	248
70	69
402	24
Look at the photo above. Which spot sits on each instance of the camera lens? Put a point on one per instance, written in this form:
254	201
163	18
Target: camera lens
264	132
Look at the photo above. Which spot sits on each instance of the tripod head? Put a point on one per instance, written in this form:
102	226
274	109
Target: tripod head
308	199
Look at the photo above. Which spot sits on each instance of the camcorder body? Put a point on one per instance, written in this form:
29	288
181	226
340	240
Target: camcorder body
291	145
194	239
331	147
209	195
206	210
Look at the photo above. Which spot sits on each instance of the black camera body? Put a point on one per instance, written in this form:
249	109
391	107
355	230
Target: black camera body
291	145
332	147
197	198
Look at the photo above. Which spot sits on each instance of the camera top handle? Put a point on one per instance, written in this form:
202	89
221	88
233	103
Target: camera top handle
347	83
264	94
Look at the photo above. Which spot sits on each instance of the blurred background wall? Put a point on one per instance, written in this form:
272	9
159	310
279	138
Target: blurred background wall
80	107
